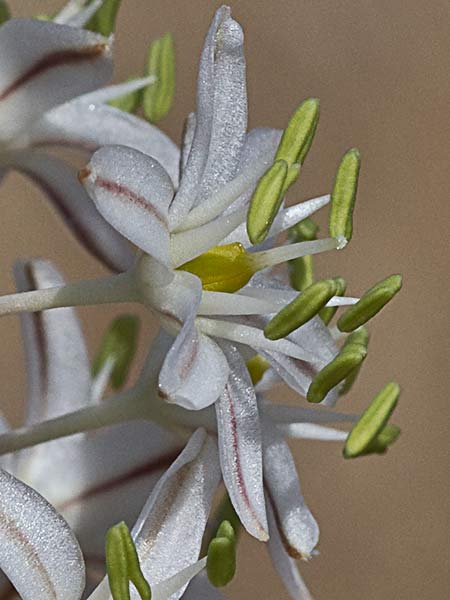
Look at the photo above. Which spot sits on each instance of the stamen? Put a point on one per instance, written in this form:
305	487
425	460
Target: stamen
359	336
275	256
328	312
158	98
343	195
299	134
301	270
113	92
221	559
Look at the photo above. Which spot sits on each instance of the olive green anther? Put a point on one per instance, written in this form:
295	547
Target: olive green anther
104	19
122	564
298	135
343	195
359	336
302	309
372	422
221	559
266	201
350	357
301	270
328	312
370	303
158	97
119	346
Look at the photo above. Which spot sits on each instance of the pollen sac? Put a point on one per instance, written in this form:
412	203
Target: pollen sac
370	433
118	347
359	336
343	195
299	134
104	19
301	271
222	268
221	560
328	312
349	358
158	97
370	303
257	366
301	310
266	201
122	565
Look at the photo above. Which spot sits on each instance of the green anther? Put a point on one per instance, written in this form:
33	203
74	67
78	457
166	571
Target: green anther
266	201
122	565
343	195
119	346
300	310
370	303
158	97
221	560
257	366
372	422
384	439
104	20
359	336
348	359
301	271
5	13
129	102
298	135
328	312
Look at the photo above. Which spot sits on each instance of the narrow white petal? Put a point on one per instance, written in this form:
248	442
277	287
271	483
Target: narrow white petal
240	445
111	92
311	431
38	551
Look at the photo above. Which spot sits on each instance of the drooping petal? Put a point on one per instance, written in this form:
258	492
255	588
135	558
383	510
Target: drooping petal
87	125
58	369
46	64
177	510
240	445
221	115
285	565
299	528
132	192
38	551
63	189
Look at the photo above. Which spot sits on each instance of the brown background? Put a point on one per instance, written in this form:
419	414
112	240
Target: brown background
382	72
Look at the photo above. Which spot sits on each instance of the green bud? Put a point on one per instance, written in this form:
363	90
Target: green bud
300	310
372	422
104	20
119	346
221	560
349	358
370	303
5	13
266	201
359	336
129	102
343	195
298	135
122	564
158	97
328	312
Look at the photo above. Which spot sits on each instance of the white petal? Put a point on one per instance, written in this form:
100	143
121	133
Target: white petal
311	431
240	446
71	201
297	373
169	531
46	64
300	530
58	369
111	92
38	551
201	589
132	192
188	137
88	125
283	563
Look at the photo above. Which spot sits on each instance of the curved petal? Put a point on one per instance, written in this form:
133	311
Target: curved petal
58	369
45	64
178	509
299	529
240	446
87	126
63	189
38	551
132	192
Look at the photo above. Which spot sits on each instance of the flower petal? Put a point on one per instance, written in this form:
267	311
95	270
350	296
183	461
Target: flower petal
38	551
178	509
87	125
299	528
283	563
46	64
58	369
63	189
240	445
132	192
201	589
221	116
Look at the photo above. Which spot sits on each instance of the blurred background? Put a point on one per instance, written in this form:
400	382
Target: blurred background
381	70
